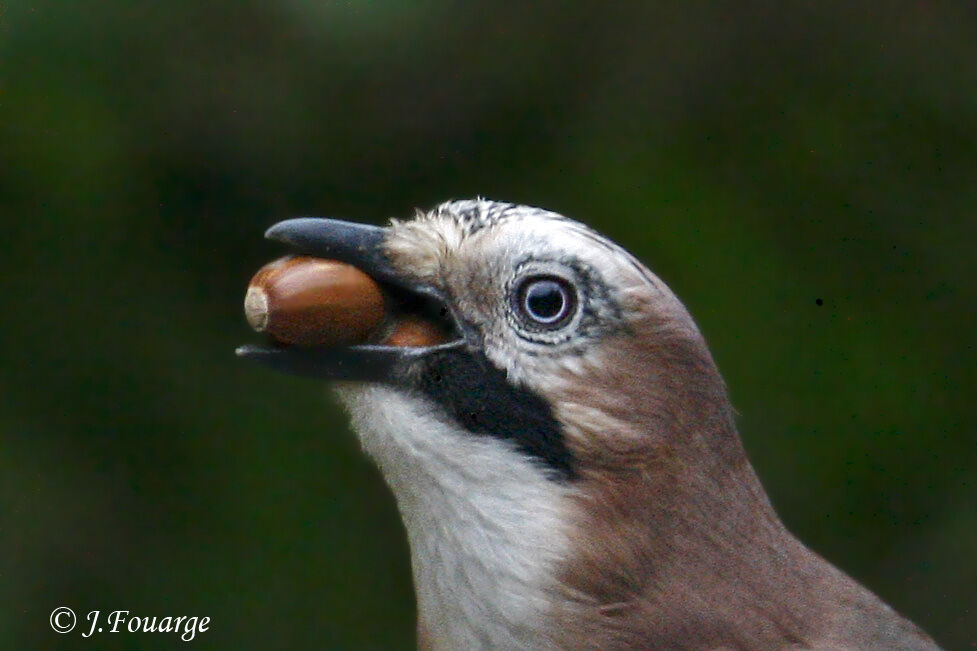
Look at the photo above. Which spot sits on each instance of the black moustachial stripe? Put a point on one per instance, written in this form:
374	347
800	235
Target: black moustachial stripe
476	394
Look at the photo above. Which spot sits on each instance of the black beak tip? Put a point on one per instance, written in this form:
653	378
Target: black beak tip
360	245
320	234
299	229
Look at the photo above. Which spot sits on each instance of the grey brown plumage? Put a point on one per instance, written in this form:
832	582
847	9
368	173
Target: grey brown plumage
565	457
677	545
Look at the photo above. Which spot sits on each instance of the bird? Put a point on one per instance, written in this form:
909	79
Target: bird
566	463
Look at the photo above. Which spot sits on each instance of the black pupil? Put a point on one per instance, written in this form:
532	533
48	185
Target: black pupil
545	301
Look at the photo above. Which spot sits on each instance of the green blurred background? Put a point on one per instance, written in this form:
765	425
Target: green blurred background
761	157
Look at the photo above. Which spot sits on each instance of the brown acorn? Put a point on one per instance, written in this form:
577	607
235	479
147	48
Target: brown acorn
413	331
307	301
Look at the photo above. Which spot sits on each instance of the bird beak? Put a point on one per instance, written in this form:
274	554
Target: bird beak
360	245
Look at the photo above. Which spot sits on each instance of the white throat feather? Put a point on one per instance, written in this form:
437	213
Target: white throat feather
485	524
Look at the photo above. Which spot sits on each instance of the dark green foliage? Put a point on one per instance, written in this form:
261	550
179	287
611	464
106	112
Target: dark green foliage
804	175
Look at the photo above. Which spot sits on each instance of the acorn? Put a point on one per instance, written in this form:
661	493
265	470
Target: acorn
306	301
414	331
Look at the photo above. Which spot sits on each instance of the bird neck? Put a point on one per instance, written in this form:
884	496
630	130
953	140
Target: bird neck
485	524
674	541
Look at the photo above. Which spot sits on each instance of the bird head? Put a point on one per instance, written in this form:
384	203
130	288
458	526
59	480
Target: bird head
563	343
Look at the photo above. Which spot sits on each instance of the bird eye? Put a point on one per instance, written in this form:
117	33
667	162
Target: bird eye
546	301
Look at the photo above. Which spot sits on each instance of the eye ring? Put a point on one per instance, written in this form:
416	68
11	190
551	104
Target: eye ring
545	302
